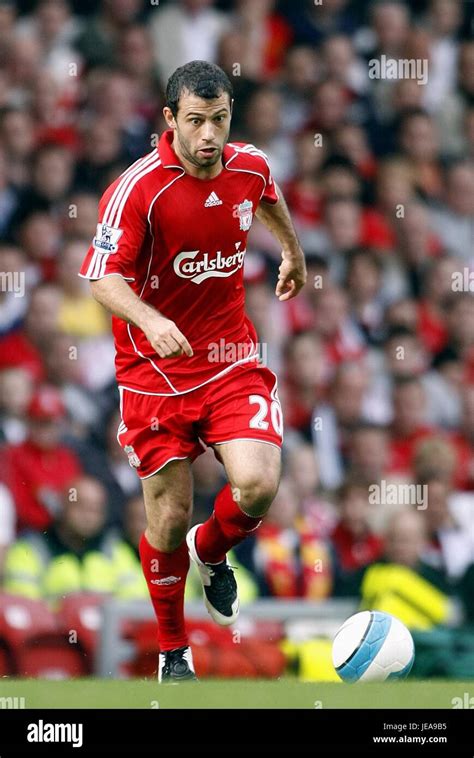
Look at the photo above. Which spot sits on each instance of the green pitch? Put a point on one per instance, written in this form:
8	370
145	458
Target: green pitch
283	693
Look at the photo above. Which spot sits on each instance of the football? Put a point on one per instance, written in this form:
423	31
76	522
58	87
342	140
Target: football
373	646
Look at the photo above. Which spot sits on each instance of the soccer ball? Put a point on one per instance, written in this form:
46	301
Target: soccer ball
372	646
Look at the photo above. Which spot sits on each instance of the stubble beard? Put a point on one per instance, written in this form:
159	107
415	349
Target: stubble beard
193	159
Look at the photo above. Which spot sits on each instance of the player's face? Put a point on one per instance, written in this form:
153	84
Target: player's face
201	128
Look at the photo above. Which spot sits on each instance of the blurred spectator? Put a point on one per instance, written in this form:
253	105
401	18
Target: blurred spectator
16	391
263	128
303	471
312	23
23	60
64	371
444	20
443	386
17	135
356	545
51	180
112	96
100	36
341	64
25	347
39	468
450	116
129	581
342	340
330	107
291	558
368	453
229	57
453	219
184	31
419	143
434	301
388	35
101	154
401	583
363	284
460	324
306	375
266	37
81	221
335	418
79	314
74	554
53	26
299	75
303	191
350	140
409	423
135	56
450	529
417	245
103	458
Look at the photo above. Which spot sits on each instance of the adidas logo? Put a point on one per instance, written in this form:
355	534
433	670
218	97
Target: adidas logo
212	200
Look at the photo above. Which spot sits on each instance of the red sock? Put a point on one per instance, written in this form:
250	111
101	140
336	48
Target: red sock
167	597
226	527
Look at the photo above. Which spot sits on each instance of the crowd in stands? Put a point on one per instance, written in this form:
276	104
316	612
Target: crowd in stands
375	357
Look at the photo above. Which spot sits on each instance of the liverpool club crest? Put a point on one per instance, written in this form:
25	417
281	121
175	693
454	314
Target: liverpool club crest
133	458
244	212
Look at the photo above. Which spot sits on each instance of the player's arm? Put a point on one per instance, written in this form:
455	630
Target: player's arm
117	296
292	272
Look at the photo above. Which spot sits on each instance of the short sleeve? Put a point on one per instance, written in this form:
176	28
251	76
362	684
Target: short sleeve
270	194
120	233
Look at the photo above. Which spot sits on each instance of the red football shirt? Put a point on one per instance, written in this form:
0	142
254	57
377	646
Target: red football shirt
180	243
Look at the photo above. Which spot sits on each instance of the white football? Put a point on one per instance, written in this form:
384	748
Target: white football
373	646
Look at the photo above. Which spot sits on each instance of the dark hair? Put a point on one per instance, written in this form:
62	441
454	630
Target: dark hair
199	78
353	482
363	252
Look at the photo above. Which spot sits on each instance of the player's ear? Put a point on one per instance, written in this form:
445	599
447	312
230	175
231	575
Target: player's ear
231	106
169	118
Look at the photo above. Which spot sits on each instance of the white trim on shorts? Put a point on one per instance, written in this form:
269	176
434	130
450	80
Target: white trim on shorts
246	439
175	458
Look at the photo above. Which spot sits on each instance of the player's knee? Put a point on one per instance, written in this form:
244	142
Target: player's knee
255	495
169	524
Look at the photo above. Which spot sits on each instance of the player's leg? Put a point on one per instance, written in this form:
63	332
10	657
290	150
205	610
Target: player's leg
244	425
253	469
165	562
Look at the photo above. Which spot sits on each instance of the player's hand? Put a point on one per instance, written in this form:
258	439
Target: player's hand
166	339
291	277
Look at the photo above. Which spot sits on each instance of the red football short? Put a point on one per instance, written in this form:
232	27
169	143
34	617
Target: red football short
242	404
